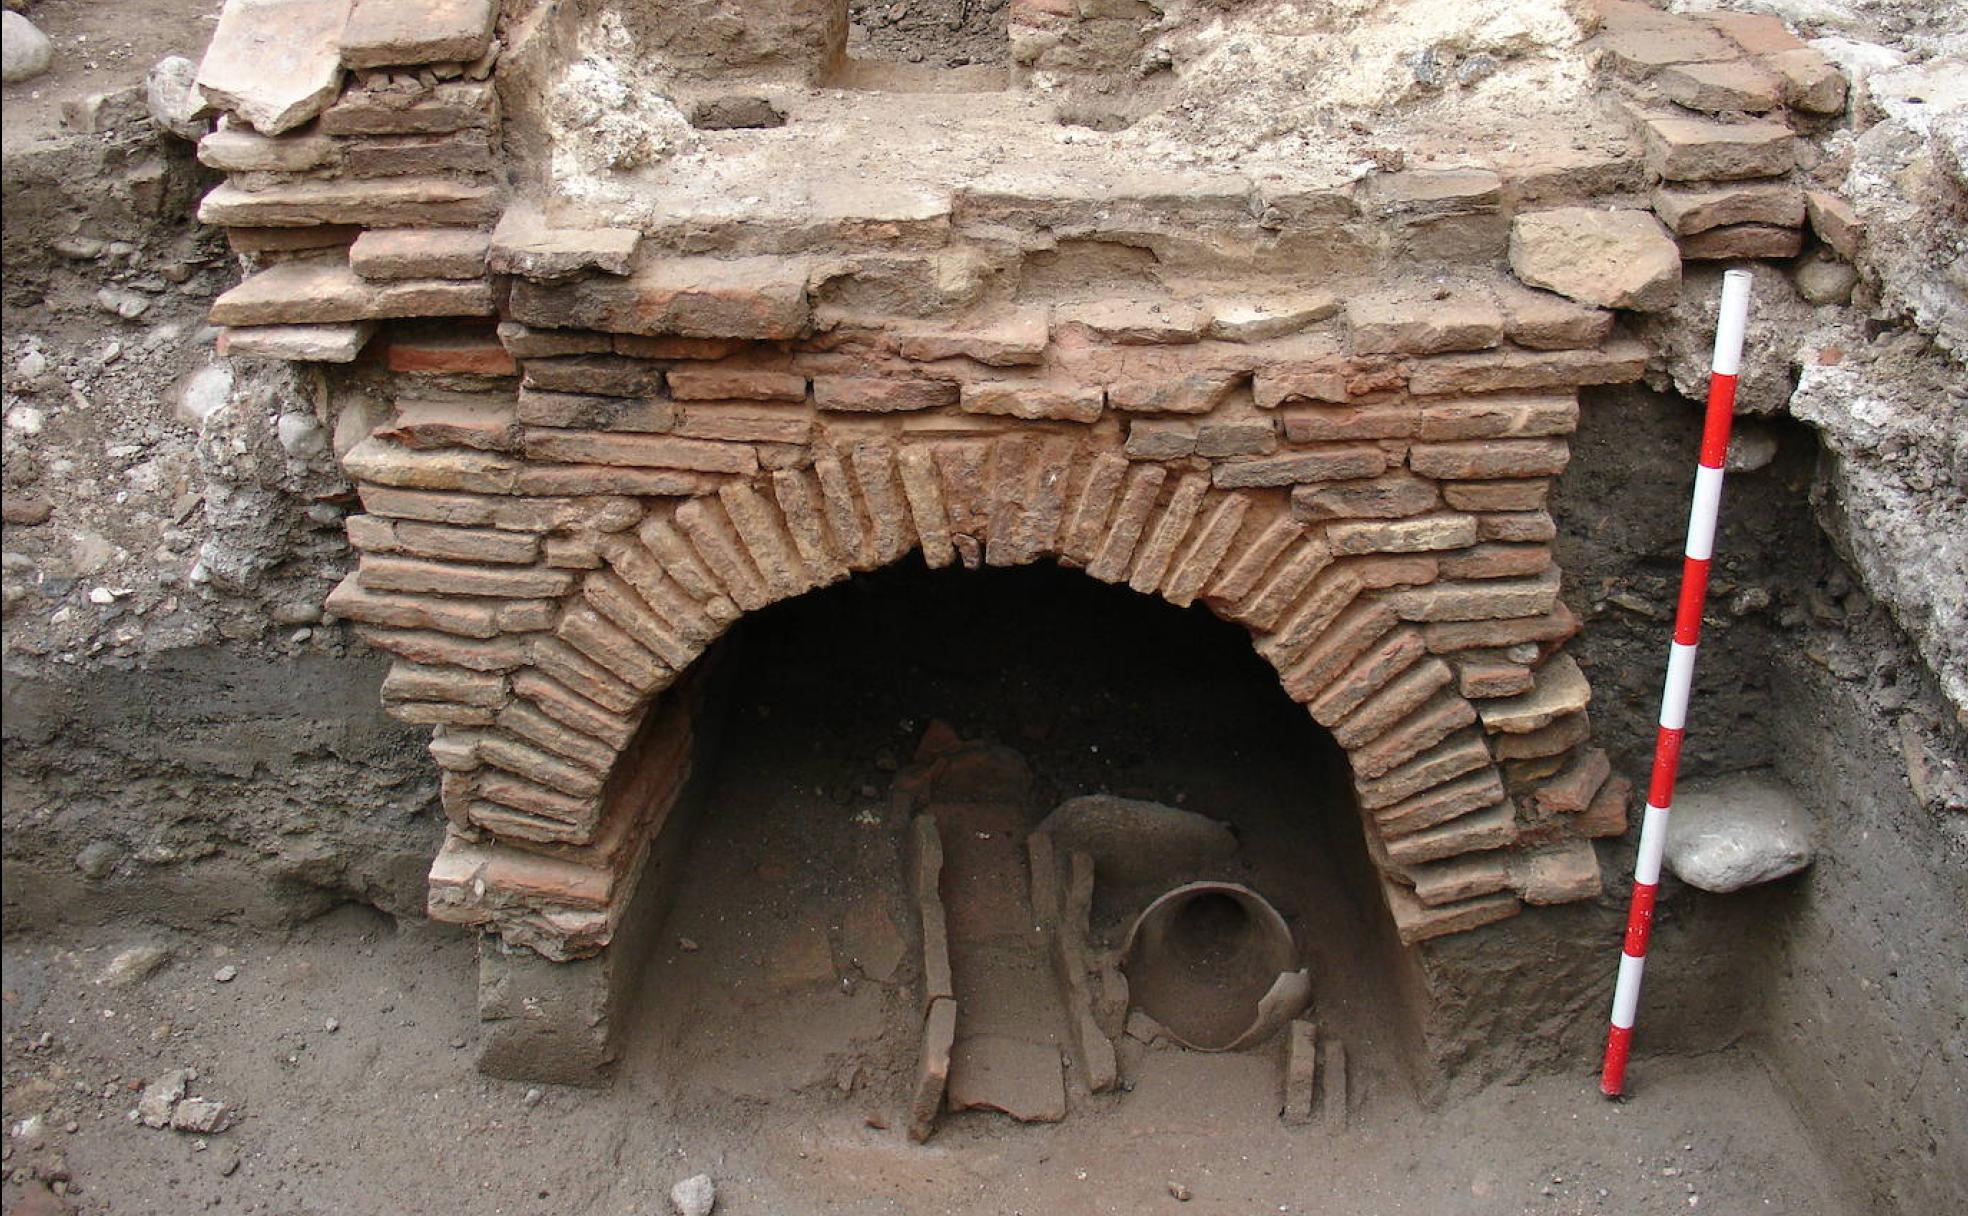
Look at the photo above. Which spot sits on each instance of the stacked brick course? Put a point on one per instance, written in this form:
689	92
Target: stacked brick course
1333	416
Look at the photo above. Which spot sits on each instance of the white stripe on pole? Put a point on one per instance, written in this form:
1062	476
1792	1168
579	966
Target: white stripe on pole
1702	513
1733	321
1653	843
1680	679
1626	990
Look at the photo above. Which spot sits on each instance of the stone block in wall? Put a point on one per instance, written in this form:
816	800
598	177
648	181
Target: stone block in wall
525	244
454	105
1737	86
1688	210
468	152
1543	320
231	148
759	298
1737	241
1420	320
275	63
1607	259
392	33
339	343
1835	222
1811	82
391	254
385	203
1641	39
1556	874
1703	150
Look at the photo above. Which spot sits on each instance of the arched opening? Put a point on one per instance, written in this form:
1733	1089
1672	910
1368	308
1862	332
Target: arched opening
791	958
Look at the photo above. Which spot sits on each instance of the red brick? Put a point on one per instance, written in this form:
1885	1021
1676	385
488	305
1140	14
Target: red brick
1314	424
1441	803
1033	400
1516	527
380	572
1619	361
1391	703
1499	417
1417	922
1444	762
416	682
1488	600
460	355
1496	561
1421	730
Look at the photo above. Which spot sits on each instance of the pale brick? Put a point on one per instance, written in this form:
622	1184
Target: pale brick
1438	804
474	619
1393	702
1393	495
1554	625
1835	222
1016	339
1811	82
735	383
443	649
1160	438
1558	874
1491	828
744	423
1499	417
1285	383
1418	321
639	451
1330	424
1033	400
525	244
1415	921
391	203
1490	599
1516	495
1487	676
882	395
1194	393
1520	527
564	673
1223	434
1554	740
340	343
1729	86
1492	560
1130	322
468	153
274	63
1421	533
516	514
1490	459
237	149
301	293
1545	320
375	460
524	720
383	572
1459	878
1336	463
464	544
1561	689
416	682
595	412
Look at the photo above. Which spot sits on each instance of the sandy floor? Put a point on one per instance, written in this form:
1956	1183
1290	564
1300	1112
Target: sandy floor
387	1115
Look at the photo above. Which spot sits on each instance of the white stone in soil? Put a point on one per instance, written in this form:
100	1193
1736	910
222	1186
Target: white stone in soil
694	1196
25	52
174	104
1737	832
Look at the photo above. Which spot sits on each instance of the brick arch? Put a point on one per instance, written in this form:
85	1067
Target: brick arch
543	723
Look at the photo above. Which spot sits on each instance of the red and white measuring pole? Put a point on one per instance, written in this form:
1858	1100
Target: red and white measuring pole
1680	673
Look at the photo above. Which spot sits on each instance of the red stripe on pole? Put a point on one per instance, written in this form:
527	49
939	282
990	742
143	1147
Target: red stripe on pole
1640	919
1613	1076
1667	762
1721	412
1694	593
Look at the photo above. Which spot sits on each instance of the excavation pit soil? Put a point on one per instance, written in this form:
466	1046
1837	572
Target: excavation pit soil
773	1046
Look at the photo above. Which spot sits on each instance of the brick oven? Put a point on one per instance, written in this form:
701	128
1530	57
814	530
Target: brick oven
630	324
